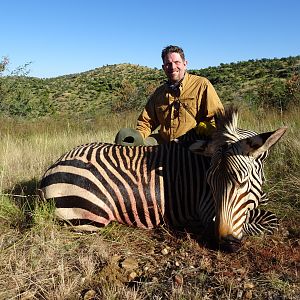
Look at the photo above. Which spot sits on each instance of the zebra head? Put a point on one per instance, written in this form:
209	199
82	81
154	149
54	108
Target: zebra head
235	175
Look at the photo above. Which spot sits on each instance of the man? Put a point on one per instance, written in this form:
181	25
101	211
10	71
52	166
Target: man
184	102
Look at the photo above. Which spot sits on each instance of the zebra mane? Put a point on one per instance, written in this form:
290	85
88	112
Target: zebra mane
226	131
227	126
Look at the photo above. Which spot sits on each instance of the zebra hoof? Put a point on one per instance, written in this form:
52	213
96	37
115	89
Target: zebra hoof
129	137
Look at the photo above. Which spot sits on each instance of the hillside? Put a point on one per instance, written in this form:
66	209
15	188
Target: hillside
125	87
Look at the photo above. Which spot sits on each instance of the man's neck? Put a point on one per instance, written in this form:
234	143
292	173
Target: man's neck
175	83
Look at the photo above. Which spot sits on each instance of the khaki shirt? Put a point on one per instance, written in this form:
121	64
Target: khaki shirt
176	114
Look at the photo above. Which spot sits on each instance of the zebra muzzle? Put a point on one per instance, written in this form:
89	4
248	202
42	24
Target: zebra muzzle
230	243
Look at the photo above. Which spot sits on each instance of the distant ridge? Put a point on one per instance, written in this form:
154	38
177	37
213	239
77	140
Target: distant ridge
121	87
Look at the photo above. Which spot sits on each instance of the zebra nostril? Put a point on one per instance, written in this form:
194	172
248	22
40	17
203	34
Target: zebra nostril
229	243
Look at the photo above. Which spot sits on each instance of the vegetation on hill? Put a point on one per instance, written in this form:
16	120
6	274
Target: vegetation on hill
123	87
264	83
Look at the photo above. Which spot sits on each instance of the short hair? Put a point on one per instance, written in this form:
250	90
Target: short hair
172	49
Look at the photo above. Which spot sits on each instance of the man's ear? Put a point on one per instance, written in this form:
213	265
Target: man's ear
258	144
202	147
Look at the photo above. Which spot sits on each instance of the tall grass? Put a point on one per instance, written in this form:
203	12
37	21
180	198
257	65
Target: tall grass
28	147
40	259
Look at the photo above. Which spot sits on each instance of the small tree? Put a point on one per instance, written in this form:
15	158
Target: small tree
293	89
13	98
4	62
132	96
3	66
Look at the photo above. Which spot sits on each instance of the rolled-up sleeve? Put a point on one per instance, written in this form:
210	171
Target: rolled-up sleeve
210	102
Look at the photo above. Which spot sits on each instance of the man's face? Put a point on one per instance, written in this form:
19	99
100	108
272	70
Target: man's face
174	67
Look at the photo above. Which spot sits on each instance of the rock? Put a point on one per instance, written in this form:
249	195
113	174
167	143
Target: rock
89	295
178	280
248	294
129	264
241	271
152	250
249	285
164	251
132	275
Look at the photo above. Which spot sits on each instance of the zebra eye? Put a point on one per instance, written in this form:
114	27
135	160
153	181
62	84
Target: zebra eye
243	184
240	180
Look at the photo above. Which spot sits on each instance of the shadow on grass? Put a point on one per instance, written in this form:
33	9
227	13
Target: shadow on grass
25	188
25	195
203	237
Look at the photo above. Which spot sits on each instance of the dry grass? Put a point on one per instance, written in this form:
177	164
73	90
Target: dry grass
40	259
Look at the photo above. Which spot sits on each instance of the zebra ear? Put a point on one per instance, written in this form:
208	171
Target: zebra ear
203	147
260	143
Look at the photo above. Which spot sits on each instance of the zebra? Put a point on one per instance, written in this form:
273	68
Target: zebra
187	183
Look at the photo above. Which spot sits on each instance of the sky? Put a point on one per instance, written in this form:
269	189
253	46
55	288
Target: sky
62	37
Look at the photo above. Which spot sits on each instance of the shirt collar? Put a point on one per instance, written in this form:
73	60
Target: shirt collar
184	80
177	85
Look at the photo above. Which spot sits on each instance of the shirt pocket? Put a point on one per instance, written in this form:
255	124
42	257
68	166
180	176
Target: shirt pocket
163	113
189	107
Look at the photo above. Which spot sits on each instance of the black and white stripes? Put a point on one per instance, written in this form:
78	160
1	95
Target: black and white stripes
139	186
180	183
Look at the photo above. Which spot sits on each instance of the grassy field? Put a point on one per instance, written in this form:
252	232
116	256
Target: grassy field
41	259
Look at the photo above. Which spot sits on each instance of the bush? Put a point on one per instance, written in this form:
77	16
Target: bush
276	94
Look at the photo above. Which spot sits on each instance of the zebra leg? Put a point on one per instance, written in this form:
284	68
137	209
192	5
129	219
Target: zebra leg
259	222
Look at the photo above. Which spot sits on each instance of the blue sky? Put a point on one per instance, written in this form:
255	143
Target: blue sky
61	37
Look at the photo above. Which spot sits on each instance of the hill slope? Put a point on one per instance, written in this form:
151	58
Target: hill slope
125	87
